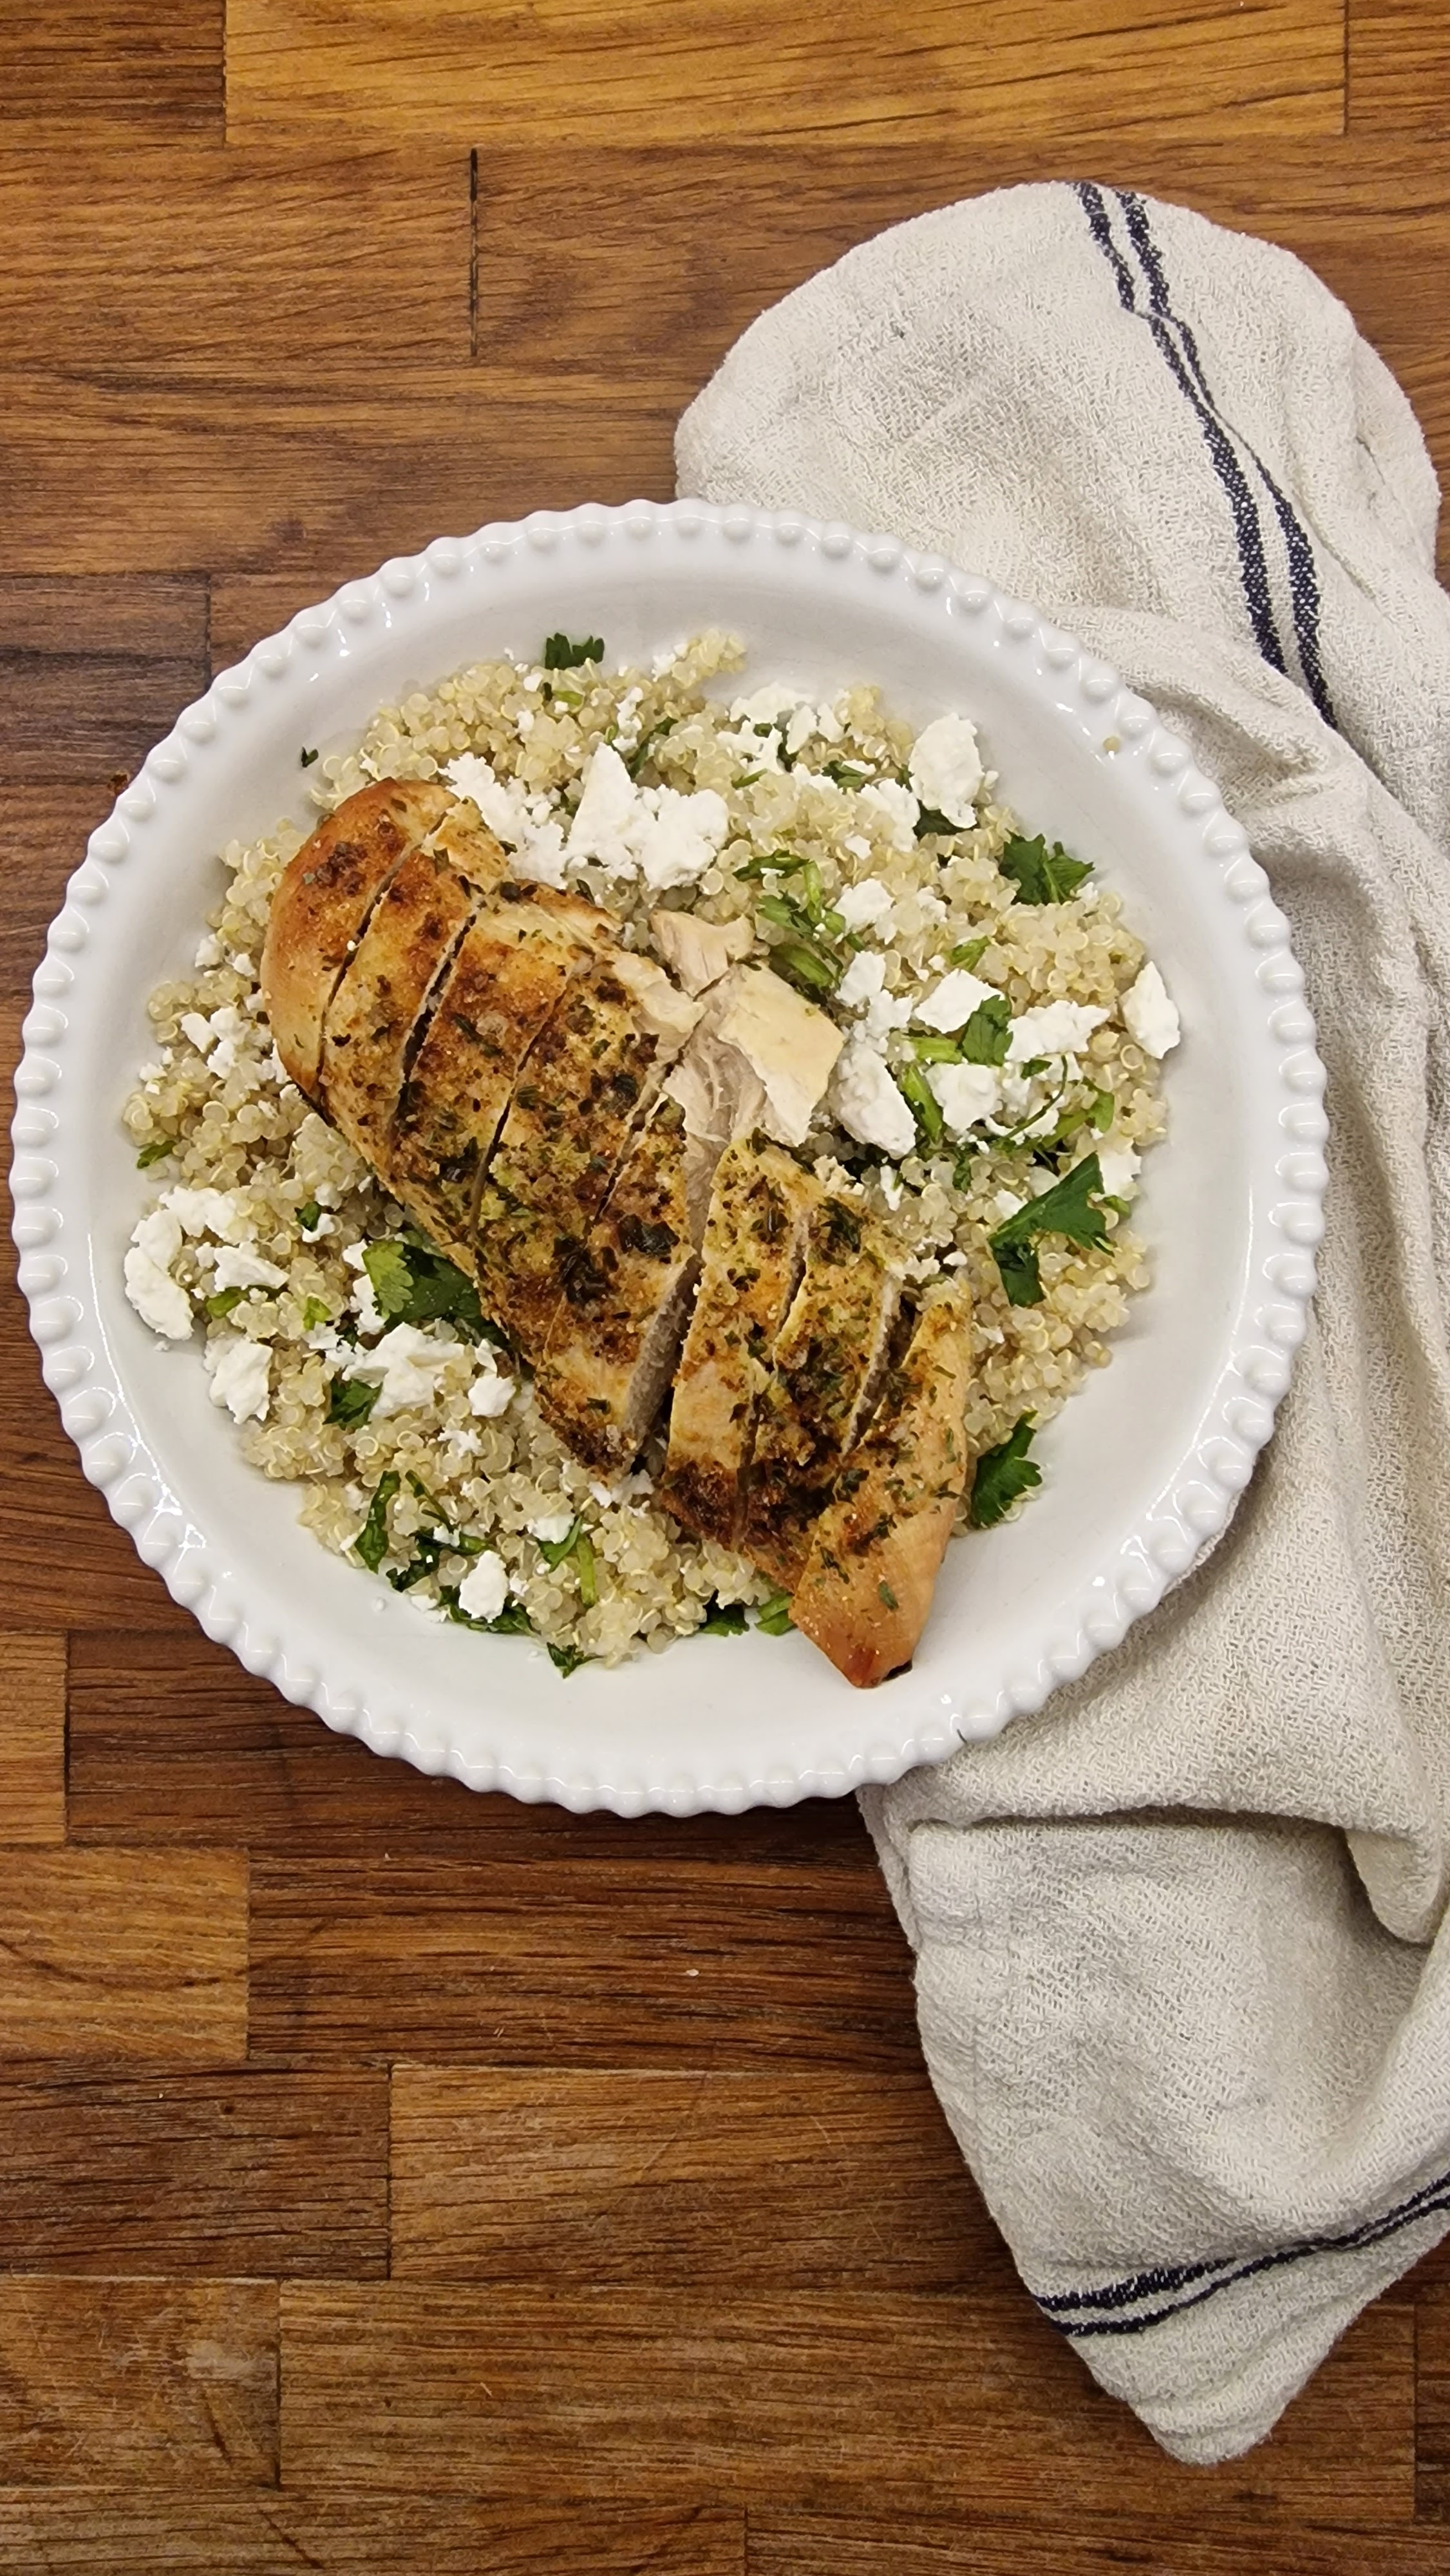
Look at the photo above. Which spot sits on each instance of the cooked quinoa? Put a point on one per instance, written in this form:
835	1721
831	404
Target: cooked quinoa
865	893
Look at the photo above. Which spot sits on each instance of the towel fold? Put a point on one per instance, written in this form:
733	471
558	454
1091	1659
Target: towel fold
1182	1984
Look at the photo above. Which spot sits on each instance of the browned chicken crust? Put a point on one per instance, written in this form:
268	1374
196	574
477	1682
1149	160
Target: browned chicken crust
876	1551
754	1252
323	903
411	933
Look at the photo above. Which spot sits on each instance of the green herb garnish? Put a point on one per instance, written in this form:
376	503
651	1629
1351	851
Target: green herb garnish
967	951
723	1619
562	655
929	821
412	1284
886	1596
308	757
1002	1474
986	1035
806	966
775	863
315	1311
309	1215
350	1401
1040	874
567	1659
640	754
554	1550
155	1152
1065	1209
371	1543
585	1570
773	1617
513	1619
843	774
925	1106
223	1302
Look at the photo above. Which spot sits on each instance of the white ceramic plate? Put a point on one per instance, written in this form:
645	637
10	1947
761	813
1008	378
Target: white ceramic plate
1142	1467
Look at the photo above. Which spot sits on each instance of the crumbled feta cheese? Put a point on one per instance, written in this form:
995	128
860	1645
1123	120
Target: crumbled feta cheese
405	1366
242	964
606	808
466	1443
1054	1028
945	769
490	1394
895	808
209	951
966	1093
655	832
239	1371
756	751
861	905
950	1004
242	1269
858	845
485	1587
1006	1204
535	840
218	1212
862	980
766	706
196	1026
867	1101
1119	1165
887	1011
930	905
159	1299
552	1528
799	730
1149	1015
525	720
890	1183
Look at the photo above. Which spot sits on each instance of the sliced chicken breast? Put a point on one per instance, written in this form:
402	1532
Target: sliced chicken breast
828	1361
322	904
587	1082
410	937
866	1588
506	979
617	1330
754	1252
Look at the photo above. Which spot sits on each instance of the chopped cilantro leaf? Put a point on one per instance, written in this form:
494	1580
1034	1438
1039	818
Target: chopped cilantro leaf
223	1302
1040	874
585	1570
155	1152
316	1311
773	1617
512	1621
723	1619
924	1104
562	655
886	1596
350	1400
928	1048
309	1215
775	863
985	1037
567	1659
1002	1474
1064	1209
414	1285
554	1550
967	951
308	757
930	821
1100	1116
371	1543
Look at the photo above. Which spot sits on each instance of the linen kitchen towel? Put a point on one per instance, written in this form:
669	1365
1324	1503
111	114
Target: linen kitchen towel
1183	1983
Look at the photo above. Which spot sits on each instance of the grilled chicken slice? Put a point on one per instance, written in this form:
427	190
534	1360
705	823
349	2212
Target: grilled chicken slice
507	977
411	934
586	1083
323	902
617	1331
828	1361
754	1252
866	1589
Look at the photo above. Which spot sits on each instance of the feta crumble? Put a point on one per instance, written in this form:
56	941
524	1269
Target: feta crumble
159	1300
965	1094
405	1367
950	1004
1149	1015
1055	1028
945	769
240	1372
862	906
485	1587
867	1101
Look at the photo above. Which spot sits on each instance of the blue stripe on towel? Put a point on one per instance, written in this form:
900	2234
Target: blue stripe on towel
1298	545
1253	569
1194	2278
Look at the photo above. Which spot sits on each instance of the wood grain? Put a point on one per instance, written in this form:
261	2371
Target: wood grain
32	1739
171	1741
92	674
716	70
413	2534
126	1959
816	2400
161	2383
254	2174
110	72
810	2545
796	2177
1432	2387
601	1963
103	477
228	265
1399	68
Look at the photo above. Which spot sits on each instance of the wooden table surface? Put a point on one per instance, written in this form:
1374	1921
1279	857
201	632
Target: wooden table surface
393	2179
